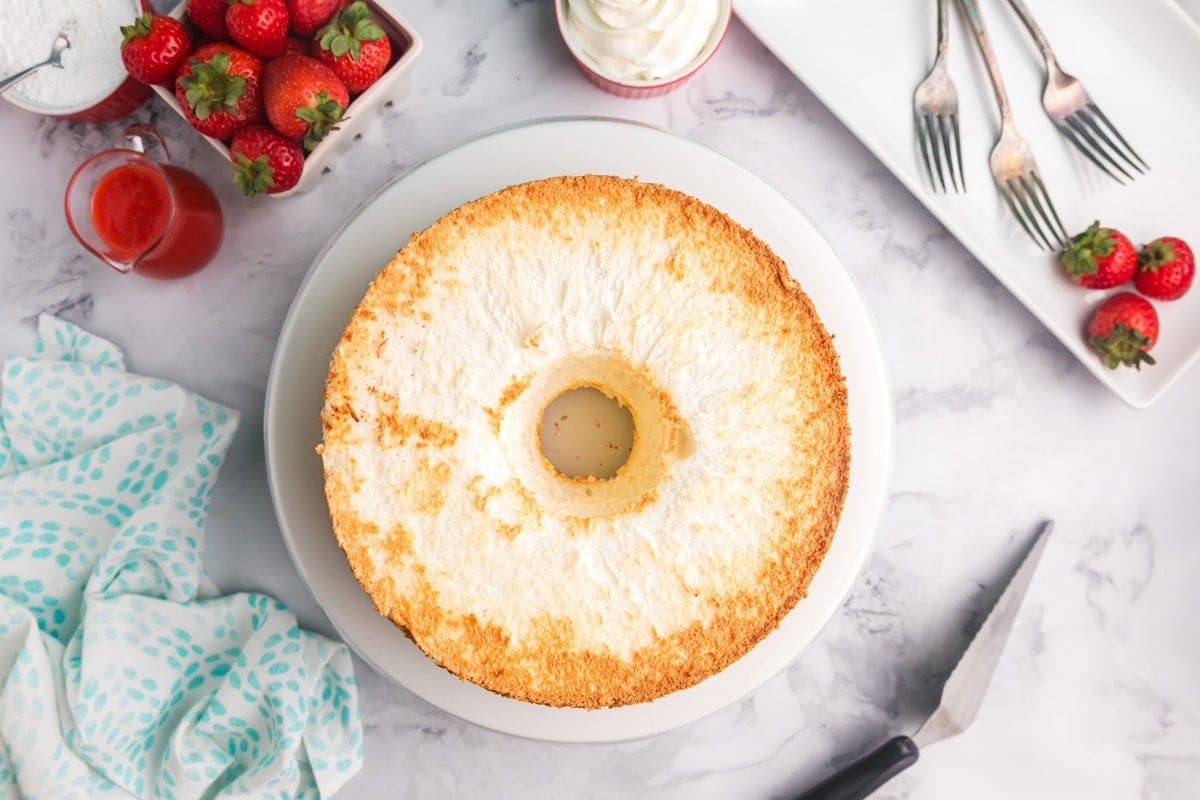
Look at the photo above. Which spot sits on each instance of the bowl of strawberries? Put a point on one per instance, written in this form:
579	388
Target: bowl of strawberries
277	87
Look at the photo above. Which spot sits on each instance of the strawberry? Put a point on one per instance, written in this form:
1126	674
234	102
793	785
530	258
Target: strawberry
218	89
260	26
309	15
1123	329
264	161
209	17
303	98
294	45
1165	269
354	46
1099	258
153	47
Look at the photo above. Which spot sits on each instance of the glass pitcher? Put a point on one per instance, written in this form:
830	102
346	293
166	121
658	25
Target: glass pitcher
141	215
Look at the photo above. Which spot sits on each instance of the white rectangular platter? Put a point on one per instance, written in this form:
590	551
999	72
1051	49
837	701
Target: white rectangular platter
1139	60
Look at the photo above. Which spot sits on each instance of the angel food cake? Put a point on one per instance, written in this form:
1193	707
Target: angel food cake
575	589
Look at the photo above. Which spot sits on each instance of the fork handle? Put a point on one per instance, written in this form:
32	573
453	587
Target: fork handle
943	41
1036	32
971	9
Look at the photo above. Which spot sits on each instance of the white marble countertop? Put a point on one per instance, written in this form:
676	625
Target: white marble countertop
998	427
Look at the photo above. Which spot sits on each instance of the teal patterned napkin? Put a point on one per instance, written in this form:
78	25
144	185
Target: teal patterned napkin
121	672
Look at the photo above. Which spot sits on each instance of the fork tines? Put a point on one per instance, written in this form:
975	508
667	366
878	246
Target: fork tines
1086	130
934	134
1029	202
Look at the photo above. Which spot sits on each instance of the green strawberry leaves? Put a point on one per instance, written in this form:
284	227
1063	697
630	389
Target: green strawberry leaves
253	177
1080	258
1157	254
322	118
1123	345
348	29
140	27
210	88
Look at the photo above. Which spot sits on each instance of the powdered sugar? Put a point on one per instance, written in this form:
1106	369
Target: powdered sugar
91	67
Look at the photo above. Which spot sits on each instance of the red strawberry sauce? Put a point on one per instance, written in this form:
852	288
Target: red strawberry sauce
131	208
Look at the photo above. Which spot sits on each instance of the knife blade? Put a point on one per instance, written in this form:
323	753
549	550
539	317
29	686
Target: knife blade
962	694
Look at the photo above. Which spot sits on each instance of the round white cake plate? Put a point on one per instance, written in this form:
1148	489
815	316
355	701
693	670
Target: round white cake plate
339	277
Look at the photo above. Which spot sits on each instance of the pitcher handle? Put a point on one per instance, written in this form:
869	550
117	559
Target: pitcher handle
139	133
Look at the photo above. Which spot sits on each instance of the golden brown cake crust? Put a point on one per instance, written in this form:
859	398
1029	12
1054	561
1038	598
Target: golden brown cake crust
547	663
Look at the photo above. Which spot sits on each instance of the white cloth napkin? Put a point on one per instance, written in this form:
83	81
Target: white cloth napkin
121	674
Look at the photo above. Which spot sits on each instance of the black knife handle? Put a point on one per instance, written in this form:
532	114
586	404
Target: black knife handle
856	781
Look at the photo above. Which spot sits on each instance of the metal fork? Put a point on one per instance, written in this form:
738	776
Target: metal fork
1075	113
1013	166
935	111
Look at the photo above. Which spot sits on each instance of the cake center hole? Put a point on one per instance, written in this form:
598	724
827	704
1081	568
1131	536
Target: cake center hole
584	432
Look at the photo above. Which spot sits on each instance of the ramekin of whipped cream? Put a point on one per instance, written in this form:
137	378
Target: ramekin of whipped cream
642	48
92	84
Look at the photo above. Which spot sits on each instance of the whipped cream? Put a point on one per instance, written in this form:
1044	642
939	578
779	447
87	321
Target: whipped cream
642	39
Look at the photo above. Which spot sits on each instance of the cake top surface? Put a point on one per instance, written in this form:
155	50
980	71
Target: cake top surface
573	591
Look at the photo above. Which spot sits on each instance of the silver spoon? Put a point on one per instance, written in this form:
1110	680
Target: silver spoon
61	42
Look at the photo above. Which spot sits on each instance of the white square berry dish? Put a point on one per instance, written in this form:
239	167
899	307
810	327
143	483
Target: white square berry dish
406	48
871	93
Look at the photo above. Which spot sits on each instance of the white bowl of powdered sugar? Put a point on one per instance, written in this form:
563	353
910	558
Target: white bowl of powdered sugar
92	84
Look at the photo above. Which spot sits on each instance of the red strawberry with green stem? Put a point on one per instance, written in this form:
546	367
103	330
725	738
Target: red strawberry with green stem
303	98
209	17
1123	329
1165	268
153	47
218	89
309	15
260	26
354	46
264	161
1099	258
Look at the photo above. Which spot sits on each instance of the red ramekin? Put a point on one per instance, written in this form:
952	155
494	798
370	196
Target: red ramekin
128	95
